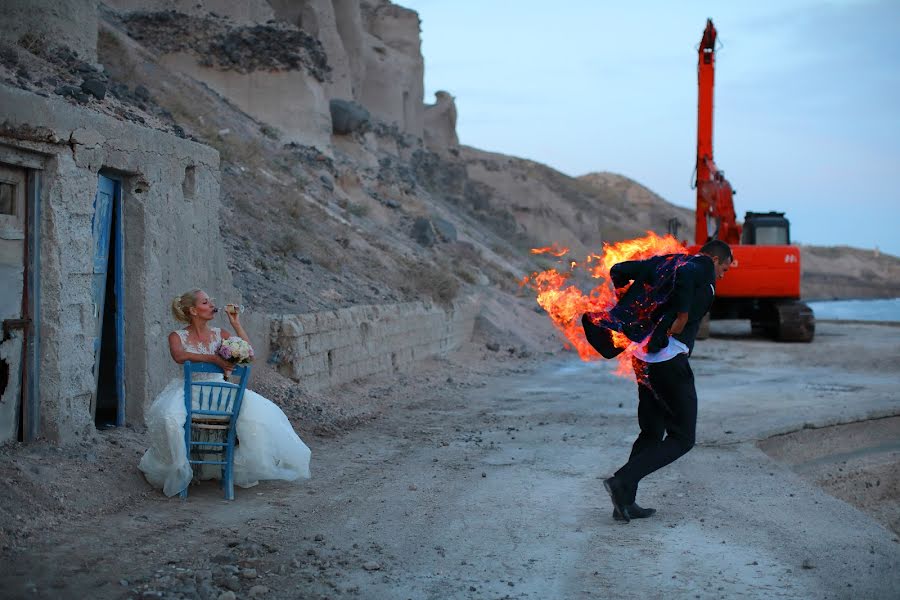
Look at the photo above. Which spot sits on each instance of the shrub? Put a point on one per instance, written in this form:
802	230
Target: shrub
435	282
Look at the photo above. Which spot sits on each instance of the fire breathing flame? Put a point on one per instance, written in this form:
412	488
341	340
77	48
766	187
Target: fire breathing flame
565	302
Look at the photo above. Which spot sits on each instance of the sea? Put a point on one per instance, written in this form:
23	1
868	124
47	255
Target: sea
887	309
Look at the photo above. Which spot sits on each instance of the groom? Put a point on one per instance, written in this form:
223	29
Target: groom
661	310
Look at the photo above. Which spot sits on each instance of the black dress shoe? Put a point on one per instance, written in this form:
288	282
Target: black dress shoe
634	512
616	492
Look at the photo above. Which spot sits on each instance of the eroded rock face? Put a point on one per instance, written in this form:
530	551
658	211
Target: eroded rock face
319	19
440	123
374	52
241	12
281	61
39	24
392	66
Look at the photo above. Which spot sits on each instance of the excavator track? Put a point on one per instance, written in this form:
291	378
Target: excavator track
785	321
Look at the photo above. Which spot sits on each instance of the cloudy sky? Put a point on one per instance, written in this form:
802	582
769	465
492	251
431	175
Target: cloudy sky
807	99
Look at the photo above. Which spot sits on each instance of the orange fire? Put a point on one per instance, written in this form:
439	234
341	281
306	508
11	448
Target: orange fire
565	303
551	249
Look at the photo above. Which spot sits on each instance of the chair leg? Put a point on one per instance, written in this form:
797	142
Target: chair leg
228	473
229	481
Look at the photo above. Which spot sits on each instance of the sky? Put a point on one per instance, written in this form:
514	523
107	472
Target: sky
807	98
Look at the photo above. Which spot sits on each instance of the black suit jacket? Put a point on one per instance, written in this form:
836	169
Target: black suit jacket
661	287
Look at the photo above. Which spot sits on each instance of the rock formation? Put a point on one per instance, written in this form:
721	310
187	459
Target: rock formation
440	123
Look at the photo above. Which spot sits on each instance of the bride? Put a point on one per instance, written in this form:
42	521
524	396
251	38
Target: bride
268	447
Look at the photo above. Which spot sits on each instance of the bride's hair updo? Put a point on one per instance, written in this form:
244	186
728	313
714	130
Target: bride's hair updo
181	305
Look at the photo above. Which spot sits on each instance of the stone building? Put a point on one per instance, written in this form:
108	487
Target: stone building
102	222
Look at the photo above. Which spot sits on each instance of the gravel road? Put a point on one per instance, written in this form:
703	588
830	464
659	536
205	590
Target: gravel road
486	483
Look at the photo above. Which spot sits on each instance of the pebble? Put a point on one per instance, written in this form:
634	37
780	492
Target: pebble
206	590
319	537
230	582
257	591
229	595
371	566
249	574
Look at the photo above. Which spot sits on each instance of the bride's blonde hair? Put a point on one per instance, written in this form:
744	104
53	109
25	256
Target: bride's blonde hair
181	305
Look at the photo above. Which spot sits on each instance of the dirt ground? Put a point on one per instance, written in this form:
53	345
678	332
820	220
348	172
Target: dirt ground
479	476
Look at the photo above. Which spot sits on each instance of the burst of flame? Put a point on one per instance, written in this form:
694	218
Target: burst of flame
551	249
565	303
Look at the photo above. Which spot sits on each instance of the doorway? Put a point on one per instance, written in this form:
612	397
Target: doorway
13	301
108	300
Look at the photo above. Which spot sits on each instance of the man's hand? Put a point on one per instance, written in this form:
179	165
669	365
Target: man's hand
678	325
655	345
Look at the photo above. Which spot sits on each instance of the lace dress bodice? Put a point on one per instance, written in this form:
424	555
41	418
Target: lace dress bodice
210	348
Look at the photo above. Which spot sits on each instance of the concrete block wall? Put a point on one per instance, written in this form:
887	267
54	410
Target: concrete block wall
332	347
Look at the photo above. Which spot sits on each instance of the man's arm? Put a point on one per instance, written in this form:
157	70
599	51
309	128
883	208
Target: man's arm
623	272
682	296
677	310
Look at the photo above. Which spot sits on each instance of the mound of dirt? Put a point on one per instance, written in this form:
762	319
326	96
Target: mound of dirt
858	463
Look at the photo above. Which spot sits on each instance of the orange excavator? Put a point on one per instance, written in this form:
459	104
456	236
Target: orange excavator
763	284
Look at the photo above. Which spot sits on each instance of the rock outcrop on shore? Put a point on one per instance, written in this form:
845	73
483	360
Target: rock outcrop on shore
837	272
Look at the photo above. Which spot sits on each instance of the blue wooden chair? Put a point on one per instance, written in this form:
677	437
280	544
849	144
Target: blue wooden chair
212	411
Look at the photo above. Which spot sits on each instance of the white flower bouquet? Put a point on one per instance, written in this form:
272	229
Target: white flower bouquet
236	351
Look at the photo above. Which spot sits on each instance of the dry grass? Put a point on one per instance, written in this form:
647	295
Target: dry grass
287	242
358	210
434	281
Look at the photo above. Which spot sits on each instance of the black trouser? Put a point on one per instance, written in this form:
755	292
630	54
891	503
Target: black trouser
667	404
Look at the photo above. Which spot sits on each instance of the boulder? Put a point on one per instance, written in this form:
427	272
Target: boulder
423	231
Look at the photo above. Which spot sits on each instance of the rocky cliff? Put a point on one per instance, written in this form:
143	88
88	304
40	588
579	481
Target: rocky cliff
340	186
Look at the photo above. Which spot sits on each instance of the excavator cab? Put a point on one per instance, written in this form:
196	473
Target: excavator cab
766	229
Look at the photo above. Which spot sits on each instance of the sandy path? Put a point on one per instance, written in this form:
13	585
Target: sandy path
489	487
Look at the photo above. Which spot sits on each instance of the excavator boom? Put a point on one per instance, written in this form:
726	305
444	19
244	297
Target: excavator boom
714	193
764	281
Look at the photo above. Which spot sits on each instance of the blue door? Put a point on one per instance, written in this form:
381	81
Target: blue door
107	289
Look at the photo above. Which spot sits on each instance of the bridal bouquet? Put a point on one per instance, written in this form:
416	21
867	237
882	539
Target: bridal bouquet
236	351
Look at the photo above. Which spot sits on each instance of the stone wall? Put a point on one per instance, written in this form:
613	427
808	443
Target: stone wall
328	348
170	190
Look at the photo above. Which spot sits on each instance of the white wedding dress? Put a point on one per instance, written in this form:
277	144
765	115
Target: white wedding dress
268	447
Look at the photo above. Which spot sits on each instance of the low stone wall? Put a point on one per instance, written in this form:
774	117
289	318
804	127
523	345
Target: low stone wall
332	347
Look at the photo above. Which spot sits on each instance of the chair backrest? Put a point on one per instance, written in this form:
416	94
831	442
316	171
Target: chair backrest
213	399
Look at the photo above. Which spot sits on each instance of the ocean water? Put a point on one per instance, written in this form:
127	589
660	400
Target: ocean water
858	310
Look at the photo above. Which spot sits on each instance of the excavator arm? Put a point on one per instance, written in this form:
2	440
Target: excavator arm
714	192
764	282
